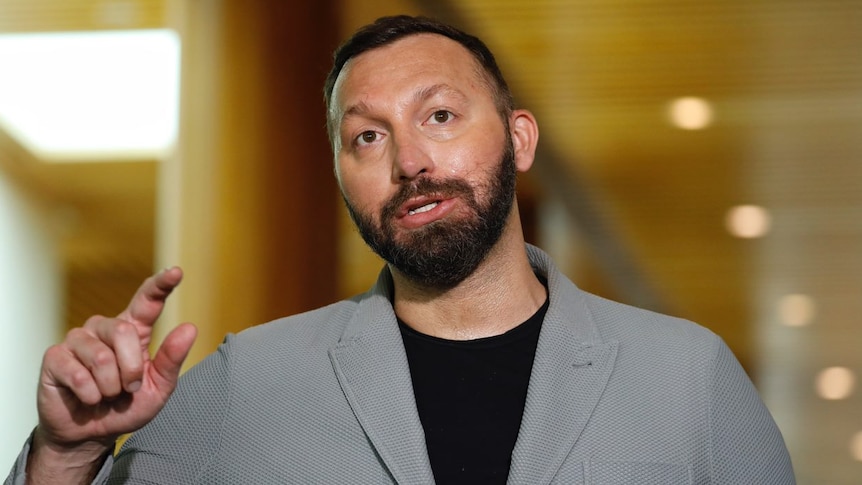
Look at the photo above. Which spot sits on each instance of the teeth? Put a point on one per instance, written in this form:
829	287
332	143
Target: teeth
424	208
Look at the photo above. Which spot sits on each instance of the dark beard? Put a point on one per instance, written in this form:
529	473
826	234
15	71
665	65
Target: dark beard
442	254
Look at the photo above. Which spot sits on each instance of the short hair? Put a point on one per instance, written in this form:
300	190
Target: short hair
387	30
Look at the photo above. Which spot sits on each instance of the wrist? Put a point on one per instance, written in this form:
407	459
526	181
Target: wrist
50	462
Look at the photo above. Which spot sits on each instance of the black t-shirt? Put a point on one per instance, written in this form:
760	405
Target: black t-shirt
470	395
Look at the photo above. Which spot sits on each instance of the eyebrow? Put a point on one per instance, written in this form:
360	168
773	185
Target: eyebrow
431	91
422	94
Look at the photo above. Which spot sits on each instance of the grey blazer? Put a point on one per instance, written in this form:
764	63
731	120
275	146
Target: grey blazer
616	395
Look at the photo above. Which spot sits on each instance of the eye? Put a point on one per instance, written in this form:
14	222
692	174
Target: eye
366	137
441	116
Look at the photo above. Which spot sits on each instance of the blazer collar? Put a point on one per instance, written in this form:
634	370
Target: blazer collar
570	371
371	365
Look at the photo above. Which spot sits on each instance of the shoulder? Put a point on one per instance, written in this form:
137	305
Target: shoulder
626	323
594	318
318	329
653	343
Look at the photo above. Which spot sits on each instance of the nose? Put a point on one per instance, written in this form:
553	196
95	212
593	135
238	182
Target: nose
411	158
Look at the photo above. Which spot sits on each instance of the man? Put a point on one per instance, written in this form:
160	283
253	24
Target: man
472	359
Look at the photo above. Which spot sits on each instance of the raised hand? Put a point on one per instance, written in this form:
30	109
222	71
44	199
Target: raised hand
100	382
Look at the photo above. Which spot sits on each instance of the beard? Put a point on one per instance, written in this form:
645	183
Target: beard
443	253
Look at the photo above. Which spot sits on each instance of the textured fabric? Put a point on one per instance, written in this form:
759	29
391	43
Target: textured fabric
601	473
616	395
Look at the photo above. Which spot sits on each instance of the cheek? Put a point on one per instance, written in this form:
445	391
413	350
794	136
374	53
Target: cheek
364	194
475	160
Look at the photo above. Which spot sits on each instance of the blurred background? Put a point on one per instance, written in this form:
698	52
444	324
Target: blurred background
699	158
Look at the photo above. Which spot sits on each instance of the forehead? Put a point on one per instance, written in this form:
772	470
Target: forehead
408	63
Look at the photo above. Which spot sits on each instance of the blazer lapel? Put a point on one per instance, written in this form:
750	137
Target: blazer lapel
372	368
570	371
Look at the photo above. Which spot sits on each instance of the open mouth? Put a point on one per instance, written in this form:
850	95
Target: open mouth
424	208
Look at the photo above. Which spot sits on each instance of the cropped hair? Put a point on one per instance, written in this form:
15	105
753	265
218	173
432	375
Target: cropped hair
387	30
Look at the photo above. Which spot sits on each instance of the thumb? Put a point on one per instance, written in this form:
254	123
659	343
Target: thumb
170	357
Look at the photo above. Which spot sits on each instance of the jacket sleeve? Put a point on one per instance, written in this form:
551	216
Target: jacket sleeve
178	445
746	445
18	476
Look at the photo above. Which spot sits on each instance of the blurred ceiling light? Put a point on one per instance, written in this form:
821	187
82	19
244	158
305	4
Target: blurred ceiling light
856	446
835	383
690	113
796	310
748	221
91	95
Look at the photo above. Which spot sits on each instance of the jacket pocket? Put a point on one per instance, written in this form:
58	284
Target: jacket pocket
640	473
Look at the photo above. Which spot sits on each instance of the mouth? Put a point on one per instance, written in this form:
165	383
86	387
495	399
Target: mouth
423	208
420	205
421	211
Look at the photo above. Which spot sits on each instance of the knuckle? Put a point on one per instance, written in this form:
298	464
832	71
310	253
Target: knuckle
124	329
54	358
103	358
93	320
75	333
53	353
80	378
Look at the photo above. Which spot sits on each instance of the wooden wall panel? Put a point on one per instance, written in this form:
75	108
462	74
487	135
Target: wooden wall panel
248	205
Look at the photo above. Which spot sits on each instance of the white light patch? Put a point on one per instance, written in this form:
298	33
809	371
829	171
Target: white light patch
796	310
835	383
690	113
748	221
109	94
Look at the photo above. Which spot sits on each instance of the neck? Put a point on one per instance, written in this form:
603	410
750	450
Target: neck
501	294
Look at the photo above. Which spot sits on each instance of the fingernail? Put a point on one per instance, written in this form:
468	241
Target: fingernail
134	386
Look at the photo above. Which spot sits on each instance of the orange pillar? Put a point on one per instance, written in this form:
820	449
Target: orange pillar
248	206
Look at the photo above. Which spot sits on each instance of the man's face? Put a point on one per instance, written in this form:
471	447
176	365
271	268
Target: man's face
424	162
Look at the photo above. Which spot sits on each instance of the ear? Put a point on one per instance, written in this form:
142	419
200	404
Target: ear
525	138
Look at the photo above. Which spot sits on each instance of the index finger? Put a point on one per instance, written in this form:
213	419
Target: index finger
148	302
